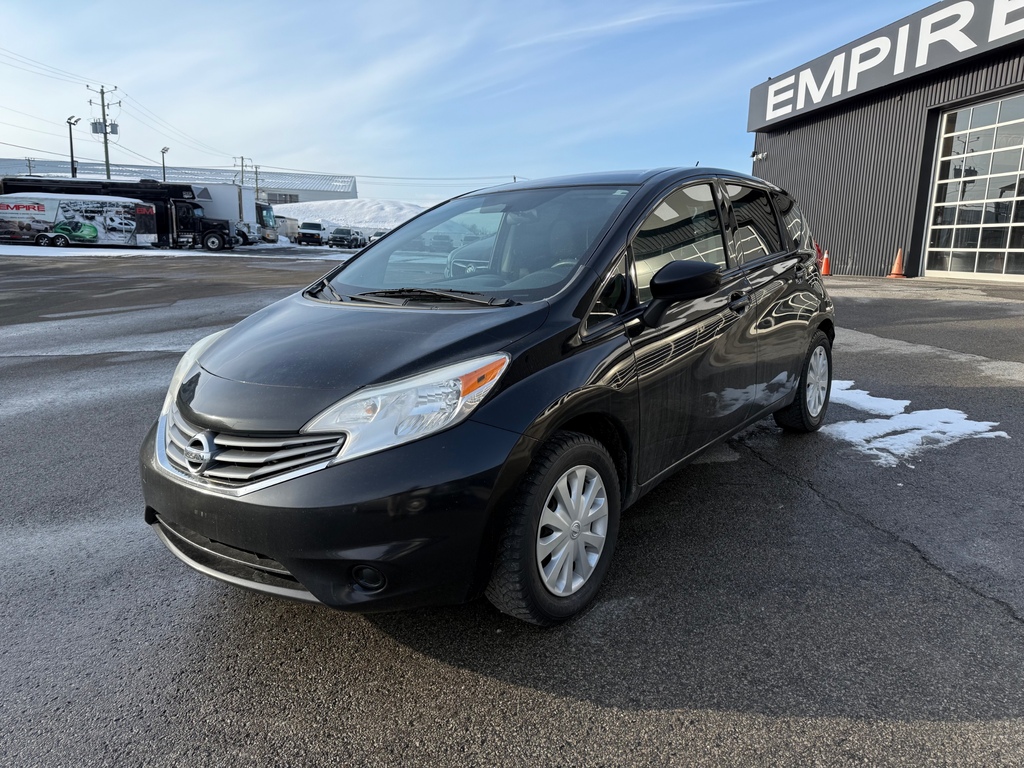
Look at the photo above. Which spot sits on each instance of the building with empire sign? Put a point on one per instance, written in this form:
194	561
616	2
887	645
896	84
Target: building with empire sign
908	140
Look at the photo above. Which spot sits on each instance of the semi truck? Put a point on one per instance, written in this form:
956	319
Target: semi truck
254	220
59	220
182	221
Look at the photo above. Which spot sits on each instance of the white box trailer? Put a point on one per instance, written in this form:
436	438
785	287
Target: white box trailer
237	204
60	220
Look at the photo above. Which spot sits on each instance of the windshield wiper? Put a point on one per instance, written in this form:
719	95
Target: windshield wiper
469	297
326	283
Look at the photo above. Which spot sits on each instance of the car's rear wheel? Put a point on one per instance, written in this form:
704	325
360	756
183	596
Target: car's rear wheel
561	532
60	241
807	412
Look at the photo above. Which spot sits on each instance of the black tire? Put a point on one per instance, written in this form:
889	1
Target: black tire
805	414
213	241
516	586
60	241
42	240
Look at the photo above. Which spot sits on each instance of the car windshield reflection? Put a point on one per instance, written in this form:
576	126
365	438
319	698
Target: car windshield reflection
521	245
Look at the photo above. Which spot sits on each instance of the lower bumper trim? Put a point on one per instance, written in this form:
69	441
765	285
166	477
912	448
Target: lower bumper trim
212	559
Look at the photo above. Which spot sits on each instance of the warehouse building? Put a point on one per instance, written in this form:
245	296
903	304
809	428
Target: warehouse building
908	142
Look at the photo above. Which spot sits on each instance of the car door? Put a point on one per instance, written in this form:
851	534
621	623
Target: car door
779	269
697	369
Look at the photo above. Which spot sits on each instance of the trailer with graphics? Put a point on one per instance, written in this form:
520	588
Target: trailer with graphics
181	221
59	220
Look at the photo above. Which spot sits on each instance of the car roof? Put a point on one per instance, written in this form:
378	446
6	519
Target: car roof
623	178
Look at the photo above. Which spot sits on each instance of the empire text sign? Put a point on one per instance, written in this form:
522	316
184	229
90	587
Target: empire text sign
939	35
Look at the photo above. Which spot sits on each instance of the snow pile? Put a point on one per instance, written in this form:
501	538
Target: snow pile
363	214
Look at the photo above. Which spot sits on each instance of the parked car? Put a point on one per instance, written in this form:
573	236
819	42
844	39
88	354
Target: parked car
313	233
377	235
409	431
441	243
343	237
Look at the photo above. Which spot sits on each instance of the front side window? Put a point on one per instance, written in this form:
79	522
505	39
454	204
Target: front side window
757	231
685	226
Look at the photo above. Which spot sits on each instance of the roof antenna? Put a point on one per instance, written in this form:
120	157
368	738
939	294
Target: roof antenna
698	163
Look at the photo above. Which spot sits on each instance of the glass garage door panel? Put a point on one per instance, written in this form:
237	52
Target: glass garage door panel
976	224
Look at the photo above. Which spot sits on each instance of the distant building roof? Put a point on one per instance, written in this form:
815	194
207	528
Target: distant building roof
313	182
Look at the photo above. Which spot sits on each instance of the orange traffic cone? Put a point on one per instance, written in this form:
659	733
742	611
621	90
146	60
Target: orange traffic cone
897	266
826	265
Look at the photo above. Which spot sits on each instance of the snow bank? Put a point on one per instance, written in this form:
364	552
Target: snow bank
363	214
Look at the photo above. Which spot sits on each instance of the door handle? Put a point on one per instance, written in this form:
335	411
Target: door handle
739	302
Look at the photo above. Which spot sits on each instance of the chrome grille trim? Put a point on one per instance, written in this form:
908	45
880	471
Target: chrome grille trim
247	463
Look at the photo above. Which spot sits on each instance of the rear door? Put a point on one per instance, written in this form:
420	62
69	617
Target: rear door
779	266
697	370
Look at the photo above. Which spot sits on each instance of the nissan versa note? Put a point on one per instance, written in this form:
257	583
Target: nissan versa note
421	428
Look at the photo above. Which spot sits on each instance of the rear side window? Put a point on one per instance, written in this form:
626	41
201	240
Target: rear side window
793	222
683	227
757	231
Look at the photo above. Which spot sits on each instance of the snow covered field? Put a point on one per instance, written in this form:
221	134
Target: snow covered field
364	214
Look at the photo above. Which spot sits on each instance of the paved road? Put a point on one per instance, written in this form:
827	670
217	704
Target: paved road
786	601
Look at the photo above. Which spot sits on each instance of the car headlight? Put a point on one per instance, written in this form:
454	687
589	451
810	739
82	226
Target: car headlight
186	362
383	416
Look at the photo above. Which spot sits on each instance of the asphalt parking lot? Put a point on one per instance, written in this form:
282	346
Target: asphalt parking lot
853	597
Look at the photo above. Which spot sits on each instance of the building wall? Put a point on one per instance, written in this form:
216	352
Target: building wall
862	171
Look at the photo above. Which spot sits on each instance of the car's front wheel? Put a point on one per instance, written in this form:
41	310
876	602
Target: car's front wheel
807	412
561	532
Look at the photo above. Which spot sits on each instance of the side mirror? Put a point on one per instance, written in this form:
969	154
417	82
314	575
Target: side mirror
680	281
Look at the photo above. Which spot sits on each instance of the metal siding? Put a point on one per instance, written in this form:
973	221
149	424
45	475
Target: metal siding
862	172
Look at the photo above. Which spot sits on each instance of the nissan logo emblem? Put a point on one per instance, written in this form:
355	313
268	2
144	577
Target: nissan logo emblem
200	453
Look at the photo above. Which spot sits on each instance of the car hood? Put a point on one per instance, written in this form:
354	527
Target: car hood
285	364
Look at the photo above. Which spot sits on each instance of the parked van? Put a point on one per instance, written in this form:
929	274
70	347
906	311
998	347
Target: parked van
314	232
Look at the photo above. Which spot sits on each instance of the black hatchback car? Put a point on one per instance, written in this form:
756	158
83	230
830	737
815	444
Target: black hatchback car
418	428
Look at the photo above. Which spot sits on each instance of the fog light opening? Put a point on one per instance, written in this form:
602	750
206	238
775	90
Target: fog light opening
368	578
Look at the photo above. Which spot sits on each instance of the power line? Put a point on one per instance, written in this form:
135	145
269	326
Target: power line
34	130
41	74
26	114
8	53
45	70
47	152
155	116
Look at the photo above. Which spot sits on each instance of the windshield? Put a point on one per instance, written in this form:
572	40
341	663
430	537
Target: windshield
266	214
521	245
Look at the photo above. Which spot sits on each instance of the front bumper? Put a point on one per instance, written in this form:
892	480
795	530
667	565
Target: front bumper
426	515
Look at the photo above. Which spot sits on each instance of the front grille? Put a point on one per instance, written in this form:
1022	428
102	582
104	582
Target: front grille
237	460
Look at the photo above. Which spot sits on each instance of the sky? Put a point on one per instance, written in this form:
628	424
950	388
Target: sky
419	100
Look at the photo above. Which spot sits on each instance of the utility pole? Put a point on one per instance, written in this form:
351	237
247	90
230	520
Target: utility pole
29	161
257	169
107	127
241	160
